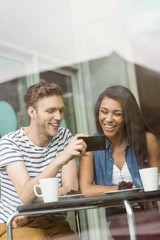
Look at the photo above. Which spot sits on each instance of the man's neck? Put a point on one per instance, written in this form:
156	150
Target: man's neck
36	138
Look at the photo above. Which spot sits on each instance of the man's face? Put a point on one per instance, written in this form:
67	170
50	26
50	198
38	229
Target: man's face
49	114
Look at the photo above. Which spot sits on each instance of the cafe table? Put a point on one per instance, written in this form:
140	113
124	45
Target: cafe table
117	199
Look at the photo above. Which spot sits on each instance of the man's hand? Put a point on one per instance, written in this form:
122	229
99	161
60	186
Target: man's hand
20	221
76	147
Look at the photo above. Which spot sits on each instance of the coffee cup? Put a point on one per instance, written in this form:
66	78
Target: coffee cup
149	177
48	188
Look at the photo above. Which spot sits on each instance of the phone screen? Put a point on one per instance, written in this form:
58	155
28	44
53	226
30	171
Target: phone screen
95	142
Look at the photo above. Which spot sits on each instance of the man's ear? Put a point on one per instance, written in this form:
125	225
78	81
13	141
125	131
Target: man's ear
31	112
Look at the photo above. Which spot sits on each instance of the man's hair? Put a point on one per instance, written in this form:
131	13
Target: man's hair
40	90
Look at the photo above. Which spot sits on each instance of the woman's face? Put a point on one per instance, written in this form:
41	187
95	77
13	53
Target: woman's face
111	117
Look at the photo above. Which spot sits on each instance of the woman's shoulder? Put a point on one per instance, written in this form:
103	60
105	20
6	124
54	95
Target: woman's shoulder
150	137
153	149
152	141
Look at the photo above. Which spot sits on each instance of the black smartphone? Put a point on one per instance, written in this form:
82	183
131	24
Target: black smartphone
95	143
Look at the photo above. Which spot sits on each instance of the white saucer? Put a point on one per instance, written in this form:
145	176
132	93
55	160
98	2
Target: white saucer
123	191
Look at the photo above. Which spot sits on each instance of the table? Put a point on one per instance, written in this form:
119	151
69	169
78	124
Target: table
70	204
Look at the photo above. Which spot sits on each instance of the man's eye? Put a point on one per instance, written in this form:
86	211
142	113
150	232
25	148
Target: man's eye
50	111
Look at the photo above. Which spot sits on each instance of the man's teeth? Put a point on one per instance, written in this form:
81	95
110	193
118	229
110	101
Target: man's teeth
54	124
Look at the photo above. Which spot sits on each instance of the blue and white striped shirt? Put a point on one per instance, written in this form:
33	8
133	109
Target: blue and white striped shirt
16	147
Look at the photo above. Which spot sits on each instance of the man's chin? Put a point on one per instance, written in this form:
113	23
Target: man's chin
53	133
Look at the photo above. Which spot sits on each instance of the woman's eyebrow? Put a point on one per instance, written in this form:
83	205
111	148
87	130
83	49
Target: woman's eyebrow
118	110
115	110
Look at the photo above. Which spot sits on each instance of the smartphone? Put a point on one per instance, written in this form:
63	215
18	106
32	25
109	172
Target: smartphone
95	143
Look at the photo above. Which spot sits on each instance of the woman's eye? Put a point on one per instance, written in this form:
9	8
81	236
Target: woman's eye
118	114
104	112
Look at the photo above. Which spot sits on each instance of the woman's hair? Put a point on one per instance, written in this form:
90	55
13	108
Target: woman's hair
40	90
135	126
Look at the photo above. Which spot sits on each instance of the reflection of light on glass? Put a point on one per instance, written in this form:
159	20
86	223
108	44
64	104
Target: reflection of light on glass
68	95
63	123
10	69
8	119
141	16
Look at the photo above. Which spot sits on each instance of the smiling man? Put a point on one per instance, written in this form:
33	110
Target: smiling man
41	150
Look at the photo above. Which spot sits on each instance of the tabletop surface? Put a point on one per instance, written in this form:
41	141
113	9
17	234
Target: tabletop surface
110	200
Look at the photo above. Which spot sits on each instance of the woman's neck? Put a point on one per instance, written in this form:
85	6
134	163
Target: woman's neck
118	141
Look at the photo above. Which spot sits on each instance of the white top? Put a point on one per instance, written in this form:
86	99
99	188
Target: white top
121	175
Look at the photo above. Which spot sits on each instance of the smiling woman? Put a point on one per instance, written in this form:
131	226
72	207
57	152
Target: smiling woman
130	145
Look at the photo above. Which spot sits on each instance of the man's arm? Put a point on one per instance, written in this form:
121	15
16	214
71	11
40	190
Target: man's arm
69	177
24	185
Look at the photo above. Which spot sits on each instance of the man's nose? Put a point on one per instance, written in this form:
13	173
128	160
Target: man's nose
58	115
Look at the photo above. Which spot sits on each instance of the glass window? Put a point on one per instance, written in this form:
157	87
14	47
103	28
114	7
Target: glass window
66	84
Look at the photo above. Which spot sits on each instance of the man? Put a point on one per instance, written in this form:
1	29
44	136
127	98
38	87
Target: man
41	150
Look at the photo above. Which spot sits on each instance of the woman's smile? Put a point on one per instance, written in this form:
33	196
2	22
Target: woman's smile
111	117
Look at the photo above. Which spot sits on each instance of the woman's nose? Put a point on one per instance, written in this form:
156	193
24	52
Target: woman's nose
109	117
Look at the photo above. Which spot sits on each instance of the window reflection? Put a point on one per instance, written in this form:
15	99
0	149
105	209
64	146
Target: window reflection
14	113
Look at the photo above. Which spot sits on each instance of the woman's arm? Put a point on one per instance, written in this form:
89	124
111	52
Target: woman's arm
86	178
154	155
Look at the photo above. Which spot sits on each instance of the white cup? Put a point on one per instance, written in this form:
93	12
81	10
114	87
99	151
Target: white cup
149	177
49	189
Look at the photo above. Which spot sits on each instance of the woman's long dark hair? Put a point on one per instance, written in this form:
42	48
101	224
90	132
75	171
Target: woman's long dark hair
134	122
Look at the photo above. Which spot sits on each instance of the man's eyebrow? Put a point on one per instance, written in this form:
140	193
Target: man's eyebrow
54	108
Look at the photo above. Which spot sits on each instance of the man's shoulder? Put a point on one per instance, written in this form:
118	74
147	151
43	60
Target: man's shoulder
13	135
62	131
64	135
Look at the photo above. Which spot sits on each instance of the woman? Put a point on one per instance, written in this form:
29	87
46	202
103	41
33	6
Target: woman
130	145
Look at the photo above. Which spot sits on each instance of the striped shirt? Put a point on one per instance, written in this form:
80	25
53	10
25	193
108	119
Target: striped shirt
16	147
